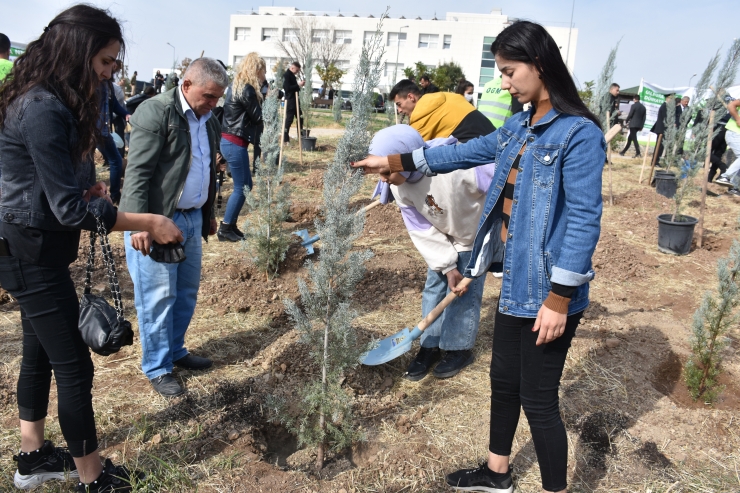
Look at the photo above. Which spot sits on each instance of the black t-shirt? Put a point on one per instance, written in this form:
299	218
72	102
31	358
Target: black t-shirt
39	246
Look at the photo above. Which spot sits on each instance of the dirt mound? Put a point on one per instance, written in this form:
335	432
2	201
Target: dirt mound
618	260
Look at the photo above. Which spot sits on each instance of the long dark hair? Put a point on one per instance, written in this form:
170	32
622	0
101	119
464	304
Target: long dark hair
528	42
462	86
60	60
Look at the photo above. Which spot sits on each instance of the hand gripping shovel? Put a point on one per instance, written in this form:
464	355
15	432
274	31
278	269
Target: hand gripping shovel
394	346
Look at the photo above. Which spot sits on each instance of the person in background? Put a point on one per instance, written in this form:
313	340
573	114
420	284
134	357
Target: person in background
497	105
443	114
542	219
5	64
291	86
465	88
242	126
635	121
119	122
133	83
158	81
426	85
659	127
614	104
172	171
732	137
106	145
49	118
134	102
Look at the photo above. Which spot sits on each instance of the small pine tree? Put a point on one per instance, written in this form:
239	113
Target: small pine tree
306	94
336	108
324	319
687	160
269	203
711	322
599	101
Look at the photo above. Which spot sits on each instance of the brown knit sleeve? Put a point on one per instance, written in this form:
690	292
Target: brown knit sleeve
557	303
394	162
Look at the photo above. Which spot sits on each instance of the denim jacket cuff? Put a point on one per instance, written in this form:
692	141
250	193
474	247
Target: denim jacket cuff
102	209
569	278
421	162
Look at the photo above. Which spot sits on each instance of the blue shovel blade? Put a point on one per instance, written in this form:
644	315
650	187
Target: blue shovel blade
391	347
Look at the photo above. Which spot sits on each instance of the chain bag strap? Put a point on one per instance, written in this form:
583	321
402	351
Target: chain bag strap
103	327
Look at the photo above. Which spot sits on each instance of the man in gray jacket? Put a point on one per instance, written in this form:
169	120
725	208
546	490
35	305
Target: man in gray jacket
172	171
635	120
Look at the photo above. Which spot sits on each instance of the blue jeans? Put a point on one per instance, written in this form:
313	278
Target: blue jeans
238	159
457	327
110	152
165	297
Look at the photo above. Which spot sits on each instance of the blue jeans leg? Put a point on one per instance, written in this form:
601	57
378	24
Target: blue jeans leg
165	296
110	152
457	327
238	159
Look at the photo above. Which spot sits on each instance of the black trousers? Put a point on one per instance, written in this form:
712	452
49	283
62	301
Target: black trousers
717	168
659	151
527	376
290	113
52	342
632	137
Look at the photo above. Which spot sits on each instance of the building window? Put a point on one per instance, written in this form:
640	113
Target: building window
343	37
396	39
487	62
319	35
237	61
369	36
393	69
447	42
342	65
241	33
290	35
269	34
270	64
428	41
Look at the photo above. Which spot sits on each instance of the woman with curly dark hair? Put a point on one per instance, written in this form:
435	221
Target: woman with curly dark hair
49	115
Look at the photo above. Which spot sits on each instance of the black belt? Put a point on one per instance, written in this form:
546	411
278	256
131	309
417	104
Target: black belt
187	210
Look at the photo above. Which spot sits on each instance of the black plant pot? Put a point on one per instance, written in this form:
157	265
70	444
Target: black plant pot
674	237
665	183
305	132
308	143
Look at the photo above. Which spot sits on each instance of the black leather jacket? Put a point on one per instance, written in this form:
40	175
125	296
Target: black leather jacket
243	114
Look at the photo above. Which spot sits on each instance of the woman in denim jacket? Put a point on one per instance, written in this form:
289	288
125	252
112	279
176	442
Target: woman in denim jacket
542	221
48	129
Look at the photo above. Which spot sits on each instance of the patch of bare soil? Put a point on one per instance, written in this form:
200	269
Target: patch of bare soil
618	260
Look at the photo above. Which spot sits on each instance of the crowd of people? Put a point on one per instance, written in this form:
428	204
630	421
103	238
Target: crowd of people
497	188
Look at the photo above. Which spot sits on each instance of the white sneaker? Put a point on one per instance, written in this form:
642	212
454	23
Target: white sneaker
498	275
723	181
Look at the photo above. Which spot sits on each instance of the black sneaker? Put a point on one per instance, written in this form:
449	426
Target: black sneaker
453	362
734	191
481	479
51	463
420	366
116	479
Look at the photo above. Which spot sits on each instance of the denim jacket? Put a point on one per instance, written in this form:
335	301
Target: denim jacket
556	210
41	183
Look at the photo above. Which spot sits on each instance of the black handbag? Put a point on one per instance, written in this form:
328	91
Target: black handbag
102	326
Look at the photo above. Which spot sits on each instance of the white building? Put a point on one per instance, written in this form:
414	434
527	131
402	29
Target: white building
464	38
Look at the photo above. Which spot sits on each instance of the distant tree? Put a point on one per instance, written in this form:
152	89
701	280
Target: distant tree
183	65
587	93
447	75
314	36
330	75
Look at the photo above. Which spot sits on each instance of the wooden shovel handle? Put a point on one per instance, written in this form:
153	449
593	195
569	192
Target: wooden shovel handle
437	311
369	206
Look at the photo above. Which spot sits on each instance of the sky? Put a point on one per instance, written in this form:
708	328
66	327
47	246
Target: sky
664	42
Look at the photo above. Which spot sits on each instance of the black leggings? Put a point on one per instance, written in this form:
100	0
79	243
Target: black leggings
52	341
527	376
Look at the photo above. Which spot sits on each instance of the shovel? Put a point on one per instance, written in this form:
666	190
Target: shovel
394	346
308	241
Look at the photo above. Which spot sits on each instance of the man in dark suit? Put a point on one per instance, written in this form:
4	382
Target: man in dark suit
291	86
635	121
426	85
659	126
